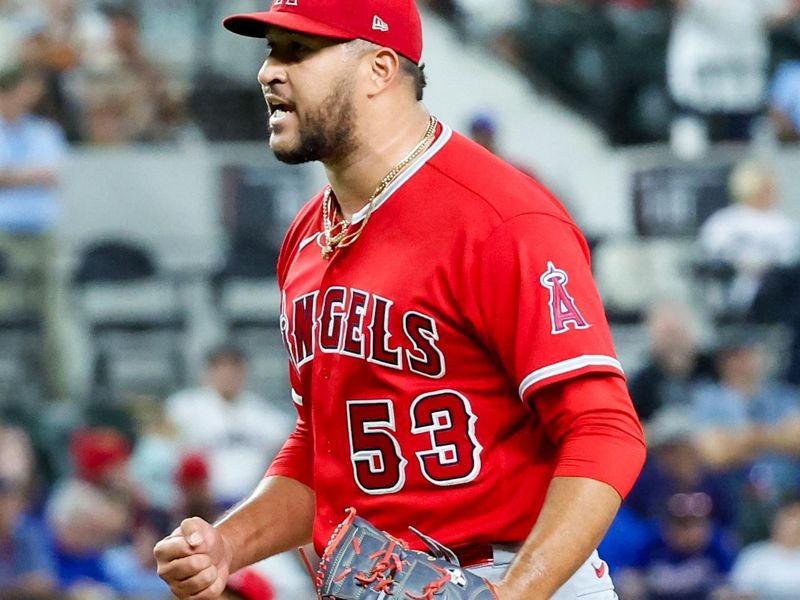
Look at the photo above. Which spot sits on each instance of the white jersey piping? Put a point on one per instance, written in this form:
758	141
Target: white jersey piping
565	366
437	145
297	398
308	240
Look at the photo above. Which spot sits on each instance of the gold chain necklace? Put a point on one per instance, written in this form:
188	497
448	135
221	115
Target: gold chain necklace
336	232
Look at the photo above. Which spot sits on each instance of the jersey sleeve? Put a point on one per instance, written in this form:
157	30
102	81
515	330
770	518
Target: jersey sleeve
536	306
295	458
592	421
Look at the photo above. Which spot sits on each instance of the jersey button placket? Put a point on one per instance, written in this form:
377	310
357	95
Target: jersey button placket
325	361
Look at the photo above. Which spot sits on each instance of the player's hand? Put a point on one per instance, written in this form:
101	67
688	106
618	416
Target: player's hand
194	560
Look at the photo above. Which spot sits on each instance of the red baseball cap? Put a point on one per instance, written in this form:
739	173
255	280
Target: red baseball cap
395	24
97	451
192	471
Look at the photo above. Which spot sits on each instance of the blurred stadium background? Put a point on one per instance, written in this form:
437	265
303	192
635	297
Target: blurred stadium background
141	212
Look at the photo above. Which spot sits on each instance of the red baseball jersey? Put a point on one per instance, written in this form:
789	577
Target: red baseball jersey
422	355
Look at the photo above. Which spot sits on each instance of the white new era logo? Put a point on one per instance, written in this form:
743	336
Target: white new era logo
379	24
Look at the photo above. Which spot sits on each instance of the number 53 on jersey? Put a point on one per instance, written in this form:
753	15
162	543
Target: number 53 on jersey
452	455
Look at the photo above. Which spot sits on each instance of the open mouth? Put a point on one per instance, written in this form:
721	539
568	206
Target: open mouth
279	109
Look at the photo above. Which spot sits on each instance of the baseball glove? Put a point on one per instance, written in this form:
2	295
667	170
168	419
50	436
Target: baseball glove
363	563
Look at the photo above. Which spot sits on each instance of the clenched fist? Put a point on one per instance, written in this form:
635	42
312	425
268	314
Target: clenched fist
194	561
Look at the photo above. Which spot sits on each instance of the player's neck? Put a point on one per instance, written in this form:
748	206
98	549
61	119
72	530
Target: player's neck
381	146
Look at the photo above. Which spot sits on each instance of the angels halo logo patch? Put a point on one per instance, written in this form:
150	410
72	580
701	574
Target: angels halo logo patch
563	310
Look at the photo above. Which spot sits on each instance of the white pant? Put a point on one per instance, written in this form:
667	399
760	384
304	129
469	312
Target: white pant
590	582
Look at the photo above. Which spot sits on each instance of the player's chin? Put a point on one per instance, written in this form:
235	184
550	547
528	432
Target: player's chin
288	151
282	142
283	132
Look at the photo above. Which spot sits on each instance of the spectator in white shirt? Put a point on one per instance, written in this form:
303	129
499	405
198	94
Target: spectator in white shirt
770	570
753	234
717	62
238	431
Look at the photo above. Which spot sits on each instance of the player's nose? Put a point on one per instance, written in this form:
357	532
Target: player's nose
271	72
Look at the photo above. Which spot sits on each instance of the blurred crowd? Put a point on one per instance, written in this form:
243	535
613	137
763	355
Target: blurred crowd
92	74
720	490
694	71
85	493
716	512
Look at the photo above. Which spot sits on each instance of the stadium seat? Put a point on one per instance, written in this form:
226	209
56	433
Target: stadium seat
248	305
632	273
134	319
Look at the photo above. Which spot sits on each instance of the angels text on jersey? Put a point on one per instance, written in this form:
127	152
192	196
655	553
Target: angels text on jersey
357	324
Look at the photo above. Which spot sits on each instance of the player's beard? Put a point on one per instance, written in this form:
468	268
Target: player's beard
326	133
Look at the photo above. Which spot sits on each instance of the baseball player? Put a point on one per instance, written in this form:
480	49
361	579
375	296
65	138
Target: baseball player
450	361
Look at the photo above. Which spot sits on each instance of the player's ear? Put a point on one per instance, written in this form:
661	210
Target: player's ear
384	68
